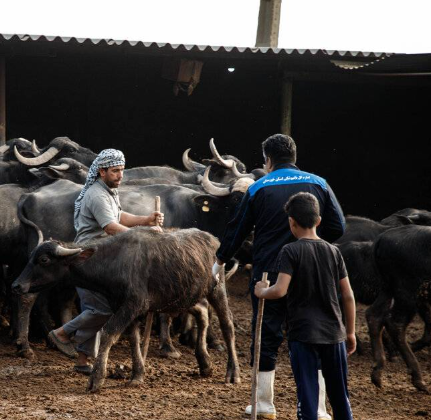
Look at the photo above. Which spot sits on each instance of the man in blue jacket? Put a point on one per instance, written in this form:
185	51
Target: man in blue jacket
262	210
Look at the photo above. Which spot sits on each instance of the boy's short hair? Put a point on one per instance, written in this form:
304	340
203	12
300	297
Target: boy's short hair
304	208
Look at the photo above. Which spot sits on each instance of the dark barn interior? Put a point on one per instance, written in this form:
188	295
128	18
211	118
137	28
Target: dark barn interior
367	135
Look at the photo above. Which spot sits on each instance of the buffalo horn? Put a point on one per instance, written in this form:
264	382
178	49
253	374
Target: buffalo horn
210	188
62	167
65	252
233	270
189	164
35	149
39	160
227	163
238	174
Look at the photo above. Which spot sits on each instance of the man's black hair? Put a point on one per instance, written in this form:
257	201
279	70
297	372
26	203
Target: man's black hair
304	209
280	148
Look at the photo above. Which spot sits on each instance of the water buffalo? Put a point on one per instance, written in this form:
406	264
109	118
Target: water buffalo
408	216
402	258
139	271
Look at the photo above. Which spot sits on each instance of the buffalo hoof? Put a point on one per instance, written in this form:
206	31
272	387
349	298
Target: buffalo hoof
421	386
170	353
94	385
232	377
206	372
135	383
376	378
216	346
27	354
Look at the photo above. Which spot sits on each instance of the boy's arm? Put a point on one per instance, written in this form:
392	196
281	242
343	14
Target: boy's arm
349	307
278	290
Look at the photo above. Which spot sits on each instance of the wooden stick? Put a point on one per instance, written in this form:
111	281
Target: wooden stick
256	359
149	320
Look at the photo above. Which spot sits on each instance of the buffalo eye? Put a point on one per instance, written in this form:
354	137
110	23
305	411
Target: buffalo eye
44	260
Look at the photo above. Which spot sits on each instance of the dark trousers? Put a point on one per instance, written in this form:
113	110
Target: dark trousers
274	315
305	359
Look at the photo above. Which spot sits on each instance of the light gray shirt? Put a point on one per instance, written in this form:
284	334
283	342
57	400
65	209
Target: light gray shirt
100	207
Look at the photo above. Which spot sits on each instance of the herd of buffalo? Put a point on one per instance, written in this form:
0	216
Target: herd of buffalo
389	262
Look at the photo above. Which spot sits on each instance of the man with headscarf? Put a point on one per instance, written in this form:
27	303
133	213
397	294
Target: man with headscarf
97	213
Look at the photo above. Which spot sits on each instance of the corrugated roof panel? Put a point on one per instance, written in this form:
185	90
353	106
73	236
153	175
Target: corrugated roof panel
186	47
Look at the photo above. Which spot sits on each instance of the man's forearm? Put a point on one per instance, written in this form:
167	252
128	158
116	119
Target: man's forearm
114	228
131	220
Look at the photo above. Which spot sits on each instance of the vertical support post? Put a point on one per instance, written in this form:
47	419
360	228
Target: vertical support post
268	26
2	100
286	105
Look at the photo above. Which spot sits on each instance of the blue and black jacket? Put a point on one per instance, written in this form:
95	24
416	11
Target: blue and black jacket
262	210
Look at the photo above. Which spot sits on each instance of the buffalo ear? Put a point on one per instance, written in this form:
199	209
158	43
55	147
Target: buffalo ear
405	220
207	203
83	255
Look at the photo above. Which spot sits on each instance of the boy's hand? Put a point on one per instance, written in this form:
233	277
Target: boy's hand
259	288
351	344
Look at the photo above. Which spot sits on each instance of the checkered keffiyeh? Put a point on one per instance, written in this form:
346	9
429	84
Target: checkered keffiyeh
105	159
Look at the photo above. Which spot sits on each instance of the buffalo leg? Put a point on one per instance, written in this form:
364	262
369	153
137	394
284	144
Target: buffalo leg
375	315
424	310
23	306
218	299
111	332
138	368
167	348
402	314
212	340
200	312
188	335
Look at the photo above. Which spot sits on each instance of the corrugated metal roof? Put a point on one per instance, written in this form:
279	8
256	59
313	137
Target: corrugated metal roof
190	48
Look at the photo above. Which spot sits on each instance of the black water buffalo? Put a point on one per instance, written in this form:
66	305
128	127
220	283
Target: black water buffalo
402	257
139	271
60	147
361	229
408	216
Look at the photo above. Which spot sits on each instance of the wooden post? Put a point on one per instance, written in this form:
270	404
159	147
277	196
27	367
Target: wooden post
149	320
256	359
268	26
286	105
2	101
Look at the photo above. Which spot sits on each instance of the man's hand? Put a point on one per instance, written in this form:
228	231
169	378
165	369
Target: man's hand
157	228
216	270
351	344
259	288
156	219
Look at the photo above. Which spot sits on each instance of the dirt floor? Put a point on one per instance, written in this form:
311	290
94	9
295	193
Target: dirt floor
48	388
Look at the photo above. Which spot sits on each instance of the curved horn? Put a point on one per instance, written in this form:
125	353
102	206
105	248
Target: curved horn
227	163
233	270
210	188
189	164
4	148
65	252
62	167
35	149
238	174
39	160
25	140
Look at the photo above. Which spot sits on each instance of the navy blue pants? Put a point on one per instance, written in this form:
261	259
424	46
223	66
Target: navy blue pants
274	315
306	359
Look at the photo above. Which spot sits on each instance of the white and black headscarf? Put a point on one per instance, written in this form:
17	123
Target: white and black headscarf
105	159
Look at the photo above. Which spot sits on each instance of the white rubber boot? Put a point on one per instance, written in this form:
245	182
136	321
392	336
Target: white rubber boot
322	414
265	396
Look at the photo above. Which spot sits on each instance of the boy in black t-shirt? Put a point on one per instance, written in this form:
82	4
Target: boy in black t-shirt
312	274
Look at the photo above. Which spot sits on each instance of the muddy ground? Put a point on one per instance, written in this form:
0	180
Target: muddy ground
49	389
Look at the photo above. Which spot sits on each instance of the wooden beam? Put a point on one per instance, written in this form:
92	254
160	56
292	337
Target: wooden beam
268	26
286	105
2	101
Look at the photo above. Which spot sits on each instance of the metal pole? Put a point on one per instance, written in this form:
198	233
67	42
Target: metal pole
268	26
2	100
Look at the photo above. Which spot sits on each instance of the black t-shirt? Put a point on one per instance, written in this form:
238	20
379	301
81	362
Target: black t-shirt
313	309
